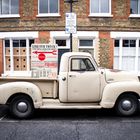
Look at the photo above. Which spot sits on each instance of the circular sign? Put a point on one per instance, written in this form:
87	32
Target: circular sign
41	56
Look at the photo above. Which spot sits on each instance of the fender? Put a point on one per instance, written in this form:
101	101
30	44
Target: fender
113	90
11	88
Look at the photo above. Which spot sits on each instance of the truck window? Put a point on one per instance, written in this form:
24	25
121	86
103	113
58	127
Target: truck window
81	64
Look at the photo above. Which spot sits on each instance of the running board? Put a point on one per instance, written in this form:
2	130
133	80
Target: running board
56	104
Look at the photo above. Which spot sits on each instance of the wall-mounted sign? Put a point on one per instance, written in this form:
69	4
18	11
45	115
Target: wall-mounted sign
44	60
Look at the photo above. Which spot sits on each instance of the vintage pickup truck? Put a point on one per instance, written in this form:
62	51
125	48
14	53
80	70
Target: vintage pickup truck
80	85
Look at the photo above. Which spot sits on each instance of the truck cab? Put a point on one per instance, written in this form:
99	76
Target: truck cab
79	79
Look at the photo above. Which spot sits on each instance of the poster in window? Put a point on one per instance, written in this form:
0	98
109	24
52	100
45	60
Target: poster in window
44	61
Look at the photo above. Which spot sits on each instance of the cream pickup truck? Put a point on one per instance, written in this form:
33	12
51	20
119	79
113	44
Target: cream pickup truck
80	85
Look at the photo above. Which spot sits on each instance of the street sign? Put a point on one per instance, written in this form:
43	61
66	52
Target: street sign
44	62
70	23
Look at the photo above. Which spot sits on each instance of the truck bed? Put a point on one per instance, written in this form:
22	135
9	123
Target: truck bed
48	87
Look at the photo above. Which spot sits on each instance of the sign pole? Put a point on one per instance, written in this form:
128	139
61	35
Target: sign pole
71	33
71	36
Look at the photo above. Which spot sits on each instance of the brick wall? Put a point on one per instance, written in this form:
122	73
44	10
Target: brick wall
44	37
29	21
105	50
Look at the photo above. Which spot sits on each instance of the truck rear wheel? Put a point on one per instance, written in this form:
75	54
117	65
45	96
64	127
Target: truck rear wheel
21	107
127	105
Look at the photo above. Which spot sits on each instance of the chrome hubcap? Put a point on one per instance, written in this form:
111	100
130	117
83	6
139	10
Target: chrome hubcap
126	105
22	107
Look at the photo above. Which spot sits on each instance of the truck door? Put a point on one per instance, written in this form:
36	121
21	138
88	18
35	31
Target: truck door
83	81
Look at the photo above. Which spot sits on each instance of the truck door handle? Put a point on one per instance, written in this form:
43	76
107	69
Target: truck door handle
72	75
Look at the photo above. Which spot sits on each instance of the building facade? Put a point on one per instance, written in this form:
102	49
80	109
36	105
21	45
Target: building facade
108	29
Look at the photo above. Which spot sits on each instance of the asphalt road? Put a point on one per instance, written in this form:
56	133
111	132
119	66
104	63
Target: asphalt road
70	125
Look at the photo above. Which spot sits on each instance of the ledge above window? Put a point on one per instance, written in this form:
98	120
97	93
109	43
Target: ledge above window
49	15
134	16
10	16
100	15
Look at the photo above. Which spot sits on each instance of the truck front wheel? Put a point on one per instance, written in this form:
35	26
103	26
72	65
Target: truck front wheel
21	107
127	105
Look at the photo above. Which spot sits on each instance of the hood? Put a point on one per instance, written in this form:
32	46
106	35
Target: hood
118	75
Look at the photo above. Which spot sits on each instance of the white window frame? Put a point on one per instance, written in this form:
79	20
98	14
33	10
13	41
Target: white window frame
101	14
10	15
60	35
67	42
13	72
127	36
63	38
49	14
86	47
17	35
121	50
138	14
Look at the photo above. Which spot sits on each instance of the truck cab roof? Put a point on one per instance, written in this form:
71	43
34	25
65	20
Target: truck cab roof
69	54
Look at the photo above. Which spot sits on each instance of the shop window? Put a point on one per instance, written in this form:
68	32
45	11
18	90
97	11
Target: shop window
17	54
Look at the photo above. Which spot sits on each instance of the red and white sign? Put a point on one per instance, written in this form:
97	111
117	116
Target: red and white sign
44	60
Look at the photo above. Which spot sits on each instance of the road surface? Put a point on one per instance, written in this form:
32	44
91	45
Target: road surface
70	125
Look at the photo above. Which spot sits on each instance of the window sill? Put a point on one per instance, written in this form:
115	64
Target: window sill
48	15
10	16
100	15
86	47
134	16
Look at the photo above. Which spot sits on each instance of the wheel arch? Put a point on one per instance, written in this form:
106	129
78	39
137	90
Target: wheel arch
113	91
127	94
18	94
13	89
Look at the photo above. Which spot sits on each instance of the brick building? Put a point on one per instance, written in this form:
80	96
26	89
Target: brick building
108	29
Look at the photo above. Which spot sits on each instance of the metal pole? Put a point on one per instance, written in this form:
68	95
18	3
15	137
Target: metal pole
71	1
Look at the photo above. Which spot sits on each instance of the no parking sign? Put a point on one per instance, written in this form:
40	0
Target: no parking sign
44	60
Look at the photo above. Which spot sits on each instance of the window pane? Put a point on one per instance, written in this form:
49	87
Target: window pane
53	6
104	6
5	6
134	7
43	6
15	43
86	43
31	41
81	65
117	42
7	43
22	43
94	6
14	6
77	65
125	43
132	43
61	42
